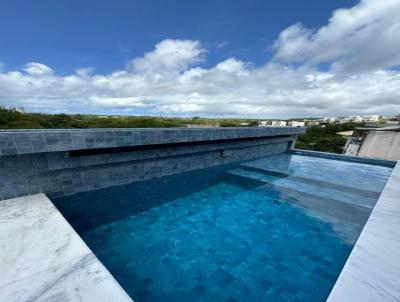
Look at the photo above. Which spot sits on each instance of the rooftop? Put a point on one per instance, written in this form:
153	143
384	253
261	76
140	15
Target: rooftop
44	258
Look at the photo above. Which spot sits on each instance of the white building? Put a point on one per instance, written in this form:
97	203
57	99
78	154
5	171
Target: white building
373	118
396	117
297	124
272	123
264	123
279	123
13	109
330	119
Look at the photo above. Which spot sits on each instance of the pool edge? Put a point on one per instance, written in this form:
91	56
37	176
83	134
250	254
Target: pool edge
372	270
64	266
349	158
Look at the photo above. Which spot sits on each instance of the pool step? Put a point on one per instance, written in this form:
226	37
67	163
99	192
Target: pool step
338	210
355	175
287	183
341	211
316	182
352	175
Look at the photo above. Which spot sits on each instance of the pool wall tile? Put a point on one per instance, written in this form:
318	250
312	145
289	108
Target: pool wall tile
40	161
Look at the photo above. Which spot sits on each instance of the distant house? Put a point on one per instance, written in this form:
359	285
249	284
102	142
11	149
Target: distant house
297	124
264	123
396	117
279	123
374	118
327	120
13	109
313	122
273	123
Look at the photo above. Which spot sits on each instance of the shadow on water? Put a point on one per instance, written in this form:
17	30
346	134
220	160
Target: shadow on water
91	209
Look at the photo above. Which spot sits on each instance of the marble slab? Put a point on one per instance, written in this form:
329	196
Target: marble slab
372	272
42	258
83	279
34	237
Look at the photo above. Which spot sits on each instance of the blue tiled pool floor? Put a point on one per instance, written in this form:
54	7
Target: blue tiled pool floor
222	244
224	235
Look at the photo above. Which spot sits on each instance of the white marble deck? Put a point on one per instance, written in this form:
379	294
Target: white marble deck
372	272
42	258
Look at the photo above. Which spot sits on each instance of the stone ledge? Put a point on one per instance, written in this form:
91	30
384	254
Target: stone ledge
44	259
372	271
51	140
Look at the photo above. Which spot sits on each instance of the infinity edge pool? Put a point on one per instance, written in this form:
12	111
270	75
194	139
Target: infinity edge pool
370	272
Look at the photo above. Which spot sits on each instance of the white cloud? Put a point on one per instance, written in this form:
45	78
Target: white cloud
170	56
85	72
37	69
232	65
360	39
221	44
361	78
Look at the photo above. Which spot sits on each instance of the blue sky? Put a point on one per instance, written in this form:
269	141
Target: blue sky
252	58
107	34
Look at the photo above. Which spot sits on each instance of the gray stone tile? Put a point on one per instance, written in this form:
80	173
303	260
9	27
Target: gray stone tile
48	163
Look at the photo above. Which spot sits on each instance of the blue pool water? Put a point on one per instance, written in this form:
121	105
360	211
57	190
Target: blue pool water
275	229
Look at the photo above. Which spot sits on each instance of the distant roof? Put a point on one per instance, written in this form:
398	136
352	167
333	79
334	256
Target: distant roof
346	133
390	128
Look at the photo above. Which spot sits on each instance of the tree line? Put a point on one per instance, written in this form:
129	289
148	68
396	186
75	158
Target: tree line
317	138
326	139
10	119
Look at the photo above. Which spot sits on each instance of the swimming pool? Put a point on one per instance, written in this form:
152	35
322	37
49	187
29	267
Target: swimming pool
274	229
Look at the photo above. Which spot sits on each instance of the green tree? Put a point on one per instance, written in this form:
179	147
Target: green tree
326	139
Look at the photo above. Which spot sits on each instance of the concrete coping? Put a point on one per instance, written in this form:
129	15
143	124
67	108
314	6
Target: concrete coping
372	271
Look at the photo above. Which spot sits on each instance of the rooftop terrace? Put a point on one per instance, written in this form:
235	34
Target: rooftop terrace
43	257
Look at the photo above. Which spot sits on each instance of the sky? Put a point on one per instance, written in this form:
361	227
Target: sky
215	58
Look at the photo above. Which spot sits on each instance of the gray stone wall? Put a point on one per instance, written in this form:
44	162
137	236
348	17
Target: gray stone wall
40	161
38	141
